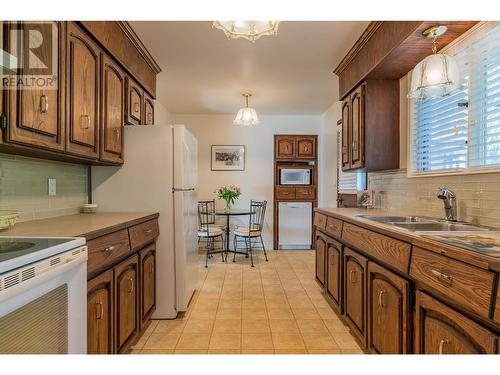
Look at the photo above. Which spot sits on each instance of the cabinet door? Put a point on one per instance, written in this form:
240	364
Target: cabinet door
149	110
306	147
334	272
357	127
388	311
100	314
355	292
36	116
440	329
320	257
82	94
126	301
346	123
284	147
113	108
148	281
134	103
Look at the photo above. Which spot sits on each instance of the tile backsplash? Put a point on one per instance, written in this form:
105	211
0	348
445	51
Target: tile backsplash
478	195
23	187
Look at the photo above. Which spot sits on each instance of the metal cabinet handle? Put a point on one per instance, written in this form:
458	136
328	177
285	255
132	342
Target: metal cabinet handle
44	103
131	285
108	250
380	300
85	122
117	133
150	117
332	260
136	107
443	277
99	311
352	277
442	343
148	231
355	145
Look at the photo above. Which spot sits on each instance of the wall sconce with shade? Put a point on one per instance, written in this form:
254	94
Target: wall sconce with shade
437	75
246	116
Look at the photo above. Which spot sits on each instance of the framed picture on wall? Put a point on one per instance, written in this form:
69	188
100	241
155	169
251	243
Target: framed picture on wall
228	158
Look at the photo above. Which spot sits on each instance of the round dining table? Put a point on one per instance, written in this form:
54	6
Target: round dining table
228	214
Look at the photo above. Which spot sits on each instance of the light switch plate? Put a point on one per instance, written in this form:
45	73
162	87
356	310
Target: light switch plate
52	186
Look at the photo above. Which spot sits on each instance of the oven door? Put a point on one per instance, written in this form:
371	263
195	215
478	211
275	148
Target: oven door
43	310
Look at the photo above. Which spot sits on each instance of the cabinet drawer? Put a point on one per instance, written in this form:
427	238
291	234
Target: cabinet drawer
305	193
319	220
386	249
334	227
463	284
285	192
143	233
107	249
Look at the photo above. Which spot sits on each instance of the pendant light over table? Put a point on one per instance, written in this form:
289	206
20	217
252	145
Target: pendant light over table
246	116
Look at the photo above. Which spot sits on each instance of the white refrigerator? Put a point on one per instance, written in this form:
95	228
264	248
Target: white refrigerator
159	175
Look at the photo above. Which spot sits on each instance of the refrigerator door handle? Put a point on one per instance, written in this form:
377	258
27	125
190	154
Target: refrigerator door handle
180	189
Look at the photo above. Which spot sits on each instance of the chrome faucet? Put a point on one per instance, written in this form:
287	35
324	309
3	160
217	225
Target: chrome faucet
449	201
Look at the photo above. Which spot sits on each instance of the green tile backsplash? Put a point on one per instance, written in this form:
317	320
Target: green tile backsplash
23	187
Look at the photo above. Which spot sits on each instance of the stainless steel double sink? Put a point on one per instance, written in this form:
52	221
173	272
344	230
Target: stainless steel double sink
424	224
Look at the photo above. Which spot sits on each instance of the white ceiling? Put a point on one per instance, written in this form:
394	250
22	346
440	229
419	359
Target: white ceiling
290	73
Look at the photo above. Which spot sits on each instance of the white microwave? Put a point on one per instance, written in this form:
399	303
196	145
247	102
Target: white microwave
295	176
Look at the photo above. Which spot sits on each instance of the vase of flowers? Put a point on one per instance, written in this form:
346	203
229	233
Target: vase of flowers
229	194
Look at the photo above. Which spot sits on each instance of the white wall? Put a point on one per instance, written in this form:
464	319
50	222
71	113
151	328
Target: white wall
256	181
328	156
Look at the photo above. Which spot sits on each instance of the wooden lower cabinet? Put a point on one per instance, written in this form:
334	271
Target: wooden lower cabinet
147	261
355	268
388	306
334	273
440	329
100	314
126	279
321	246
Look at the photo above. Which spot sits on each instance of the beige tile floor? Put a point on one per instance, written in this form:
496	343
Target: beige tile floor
274	308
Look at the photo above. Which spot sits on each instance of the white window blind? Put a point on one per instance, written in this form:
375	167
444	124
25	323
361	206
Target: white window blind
348	182
461	131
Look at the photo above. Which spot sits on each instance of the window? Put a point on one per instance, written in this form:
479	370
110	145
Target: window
461	132
348	182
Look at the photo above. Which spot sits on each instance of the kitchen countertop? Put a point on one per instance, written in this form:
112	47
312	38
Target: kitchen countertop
79	225
350	215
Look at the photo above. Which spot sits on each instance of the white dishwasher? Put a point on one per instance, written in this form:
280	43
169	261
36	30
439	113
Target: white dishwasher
295	225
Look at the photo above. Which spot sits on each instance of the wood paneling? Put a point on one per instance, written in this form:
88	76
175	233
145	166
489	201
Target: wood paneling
468	286
388	312
334	272
305	192
112	110
306	147
142	234
393	252
346	133
100	310
321	250
122	43
319	220
284	147
107	250
134	104
147	261
357	129
497	306
442	330
334	227
355	292
285	192
82	137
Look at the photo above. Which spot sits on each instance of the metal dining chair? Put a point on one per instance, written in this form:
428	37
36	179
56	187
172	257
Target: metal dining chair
209	232
251	234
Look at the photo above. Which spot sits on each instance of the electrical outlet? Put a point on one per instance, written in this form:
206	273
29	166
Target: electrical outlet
52	186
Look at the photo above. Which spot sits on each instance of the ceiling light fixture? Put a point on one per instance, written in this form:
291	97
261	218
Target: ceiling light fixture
437	75
251	30
246	116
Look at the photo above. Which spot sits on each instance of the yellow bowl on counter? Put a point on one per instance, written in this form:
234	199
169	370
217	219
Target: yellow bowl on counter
8	219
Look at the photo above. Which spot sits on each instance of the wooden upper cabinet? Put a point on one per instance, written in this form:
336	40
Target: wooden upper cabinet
346	124
82	135
357	127
285	147
148	282
306	147
36	115
355	292
440	329
126	301
149	110
388	311
321	248
113	111
100	314
370	126
134	103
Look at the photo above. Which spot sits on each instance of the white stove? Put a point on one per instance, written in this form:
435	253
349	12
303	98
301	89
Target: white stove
43	295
